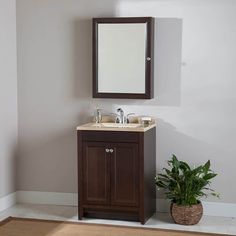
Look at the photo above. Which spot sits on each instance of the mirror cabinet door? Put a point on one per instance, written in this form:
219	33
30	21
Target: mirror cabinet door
123	57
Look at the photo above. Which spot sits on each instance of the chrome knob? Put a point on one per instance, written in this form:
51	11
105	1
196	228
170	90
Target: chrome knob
148	58
107	150
111	150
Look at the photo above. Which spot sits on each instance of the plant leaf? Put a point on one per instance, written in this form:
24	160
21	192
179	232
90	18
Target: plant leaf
183	185
206	167
209	176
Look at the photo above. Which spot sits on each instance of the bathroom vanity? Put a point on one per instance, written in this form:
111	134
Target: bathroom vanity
117	161
116	171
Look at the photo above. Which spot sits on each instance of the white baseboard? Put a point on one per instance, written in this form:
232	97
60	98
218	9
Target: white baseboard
71	199
7	201
51	198
209	208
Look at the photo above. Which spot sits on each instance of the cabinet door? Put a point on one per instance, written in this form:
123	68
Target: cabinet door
96	173
124	174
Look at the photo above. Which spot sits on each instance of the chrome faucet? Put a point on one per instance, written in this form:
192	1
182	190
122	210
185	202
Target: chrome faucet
121	118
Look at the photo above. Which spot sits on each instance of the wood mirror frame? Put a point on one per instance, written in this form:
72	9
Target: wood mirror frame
148	60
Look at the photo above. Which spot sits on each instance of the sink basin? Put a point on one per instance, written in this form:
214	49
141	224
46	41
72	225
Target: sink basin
117	125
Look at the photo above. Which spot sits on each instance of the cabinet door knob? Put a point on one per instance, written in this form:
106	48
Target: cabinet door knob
107	150
111	150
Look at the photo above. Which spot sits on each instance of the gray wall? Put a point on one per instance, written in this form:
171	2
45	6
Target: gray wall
54	88
8	96
194	85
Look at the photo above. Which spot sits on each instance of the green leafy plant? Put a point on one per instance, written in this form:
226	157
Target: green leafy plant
184	185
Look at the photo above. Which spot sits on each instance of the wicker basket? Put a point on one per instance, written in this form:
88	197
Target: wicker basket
186	215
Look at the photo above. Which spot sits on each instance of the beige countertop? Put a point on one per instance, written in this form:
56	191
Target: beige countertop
103	127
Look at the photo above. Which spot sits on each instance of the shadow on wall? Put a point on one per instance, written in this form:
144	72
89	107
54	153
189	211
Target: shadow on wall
168	57
191	150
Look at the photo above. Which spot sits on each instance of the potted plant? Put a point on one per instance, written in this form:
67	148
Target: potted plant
184	186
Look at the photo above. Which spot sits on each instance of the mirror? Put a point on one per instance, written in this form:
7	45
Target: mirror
123	57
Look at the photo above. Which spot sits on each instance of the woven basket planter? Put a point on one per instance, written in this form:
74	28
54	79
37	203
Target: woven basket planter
186	215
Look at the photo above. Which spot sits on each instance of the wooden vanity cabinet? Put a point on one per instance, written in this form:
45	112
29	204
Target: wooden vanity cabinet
116	171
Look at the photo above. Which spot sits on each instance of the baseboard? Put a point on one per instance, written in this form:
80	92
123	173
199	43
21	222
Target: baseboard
71	199
7	201
51	198
209	208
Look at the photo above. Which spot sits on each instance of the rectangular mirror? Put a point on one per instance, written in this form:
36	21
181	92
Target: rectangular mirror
123	57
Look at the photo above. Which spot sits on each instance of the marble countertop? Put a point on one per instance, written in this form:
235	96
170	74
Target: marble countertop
101	127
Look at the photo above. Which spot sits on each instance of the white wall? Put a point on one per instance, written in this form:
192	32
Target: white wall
194	85
8	97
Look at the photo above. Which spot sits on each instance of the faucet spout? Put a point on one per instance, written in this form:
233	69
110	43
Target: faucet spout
121	117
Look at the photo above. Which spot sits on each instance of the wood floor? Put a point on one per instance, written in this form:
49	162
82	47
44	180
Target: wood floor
31	227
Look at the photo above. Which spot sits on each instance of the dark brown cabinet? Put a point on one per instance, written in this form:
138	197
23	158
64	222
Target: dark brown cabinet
96	174
116	171
124	175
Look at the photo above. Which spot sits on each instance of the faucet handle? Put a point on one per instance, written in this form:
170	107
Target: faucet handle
98	115
127	117
120	110
130	114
